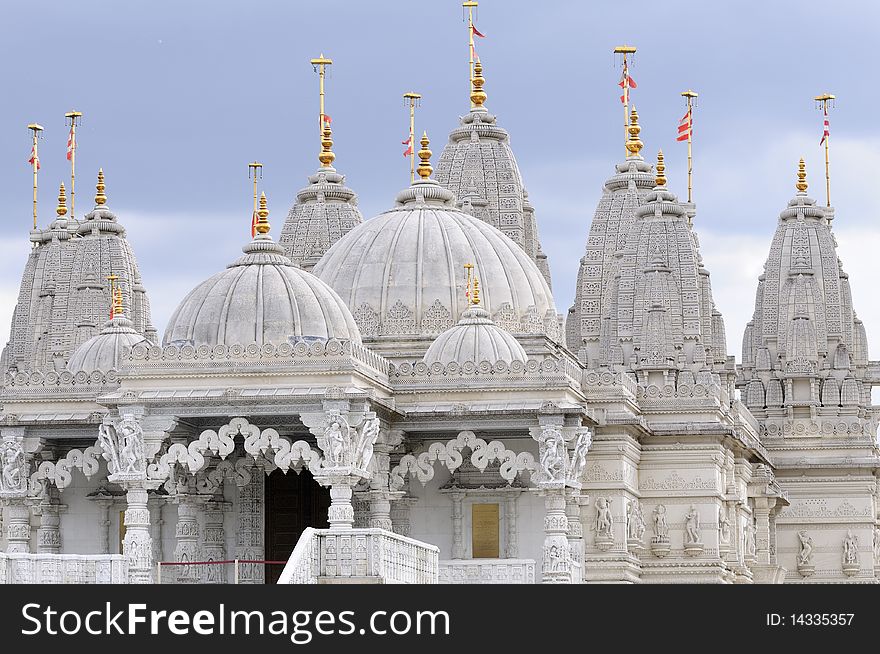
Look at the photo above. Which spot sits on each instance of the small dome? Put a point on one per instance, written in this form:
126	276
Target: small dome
102	352
261	298
475	338
402	273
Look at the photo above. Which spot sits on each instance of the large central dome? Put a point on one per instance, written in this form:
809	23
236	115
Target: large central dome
403	272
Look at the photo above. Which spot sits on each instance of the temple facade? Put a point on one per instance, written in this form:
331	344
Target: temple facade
399	400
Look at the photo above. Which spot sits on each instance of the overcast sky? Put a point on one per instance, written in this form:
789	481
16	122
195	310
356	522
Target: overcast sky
178	96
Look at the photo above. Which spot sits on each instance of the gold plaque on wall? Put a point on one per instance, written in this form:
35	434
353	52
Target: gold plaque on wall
484	531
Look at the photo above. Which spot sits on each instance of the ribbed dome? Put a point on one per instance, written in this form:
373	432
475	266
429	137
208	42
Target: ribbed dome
475	338
402	273
102	352
261	298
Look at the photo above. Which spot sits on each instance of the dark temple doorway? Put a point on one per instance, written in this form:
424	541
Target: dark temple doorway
293	503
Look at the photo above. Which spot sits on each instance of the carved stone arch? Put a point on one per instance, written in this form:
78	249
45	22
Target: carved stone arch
60	472
450	455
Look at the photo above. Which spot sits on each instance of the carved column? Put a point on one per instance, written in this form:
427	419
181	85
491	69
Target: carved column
400	515
575	526
512	550
762	534
457	527
137	546
18	526
214	540
250	533
49	531
187	535
155	505
556	567
380	510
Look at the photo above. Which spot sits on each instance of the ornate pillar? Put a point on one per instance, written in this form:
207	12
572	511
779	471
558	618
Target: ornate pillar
380	510
556	552
346	440
512	549
187	535
214	539
18	526
400	515
49	531
13	489
137	544
575	530
250	532
762	535
155	504
457	530
104	500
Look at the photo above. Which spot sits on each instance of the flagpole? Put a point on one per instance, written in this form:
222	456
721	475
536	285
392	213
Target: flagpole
73	116
36	129
470	5
823	101
320	64
690	96
625	50
255	170
412	99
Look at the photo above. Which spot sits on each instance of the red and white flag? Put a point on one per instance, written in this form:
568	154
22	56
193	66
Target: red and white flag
35	159
254	221
325	120
408	151
477	32
474	53
827	129
685	127
71	143
625	83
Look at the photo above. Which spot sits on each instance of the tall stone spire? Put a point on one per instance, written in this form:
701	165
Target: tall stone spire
657	313
612	221
478	163
805	344
64	299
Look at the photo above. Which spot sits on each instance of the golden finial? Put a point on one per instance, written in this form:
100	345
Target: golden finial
326	156
61	209
801	185
475	296
478	95
100	198
424	168
262	226
633	144
118	309
661	170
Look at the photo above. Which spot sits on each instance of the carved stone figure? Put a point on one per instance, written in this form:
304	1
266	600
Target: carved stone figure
723	526
11	466
749	546
805	555
579	456
122	445
552	454
603	518
635	521
851	549
337	440
363	451
661	526
692	526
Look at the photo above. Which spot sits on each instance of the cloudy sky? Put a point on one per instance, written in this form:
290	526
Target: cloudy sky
178	96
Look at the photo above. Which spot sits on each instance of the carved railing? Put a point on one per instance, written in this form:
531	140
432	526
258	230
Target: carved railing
303	562
25	568
361	555
556	371
488	571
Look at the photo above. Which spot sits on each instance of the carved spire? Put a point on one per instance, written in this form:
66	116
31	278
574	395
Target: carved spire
660	178
633	144
61	209
478	95
100	198
801	185
425	168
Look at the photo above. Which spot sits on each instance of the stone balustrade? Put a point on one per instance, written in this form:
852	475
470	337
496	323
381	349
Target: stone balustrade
487	571
25	568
